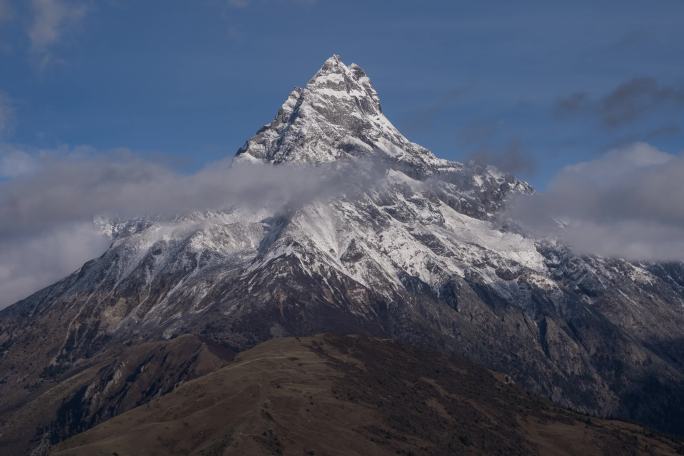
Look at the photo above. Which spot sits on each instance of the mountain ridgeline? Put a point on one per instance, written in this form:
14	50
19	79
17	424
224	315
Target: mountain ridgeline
417	257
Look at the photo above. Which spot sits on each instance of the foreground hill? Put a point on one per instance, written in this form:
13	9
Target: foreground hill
331	395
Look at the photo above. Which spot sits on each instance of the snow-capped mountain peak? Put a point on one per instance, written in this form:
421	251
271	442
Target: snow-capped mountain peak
336	115
415	256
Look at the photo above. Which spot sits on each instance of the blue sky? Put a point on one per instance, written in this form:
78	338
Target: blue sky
527	84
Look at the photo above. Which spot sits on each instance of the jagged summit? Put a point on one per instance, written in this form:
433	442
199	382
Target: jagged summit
335	76
336	115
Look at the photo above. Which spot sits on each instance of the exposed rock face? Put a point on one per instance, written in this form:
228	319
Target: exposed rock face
336	115
415	257
111	382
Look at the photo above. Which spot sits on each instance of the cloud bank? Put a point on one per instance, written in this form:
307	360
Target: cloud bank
628	203
30	263
48	201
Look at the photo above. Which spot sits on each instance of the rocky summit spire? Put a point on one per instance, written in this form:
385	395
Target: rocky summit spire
336	115
346	81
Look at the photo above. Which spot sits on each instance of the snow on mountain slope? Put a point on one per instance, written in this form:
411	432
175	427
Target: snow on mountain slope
414	255
336	115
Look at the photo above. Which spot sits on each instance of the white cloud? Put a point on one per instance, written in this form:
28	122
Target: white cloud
629	203
51	18
29	264
15	162
49	199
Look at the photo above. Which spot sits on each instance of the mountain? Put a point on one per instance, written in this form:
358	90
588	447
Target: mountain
395	400
416	255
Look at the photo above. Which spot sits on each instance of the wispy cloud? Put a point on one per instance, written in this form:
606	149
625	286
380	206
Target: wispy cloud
6	11
629	101
51	19
45	187
239	3
6	114
628	203
483	145
34	262
511	157
246	3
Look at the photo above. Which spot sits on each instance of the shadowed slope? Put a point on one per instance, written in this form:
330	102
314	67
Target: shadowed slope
350	395
111	383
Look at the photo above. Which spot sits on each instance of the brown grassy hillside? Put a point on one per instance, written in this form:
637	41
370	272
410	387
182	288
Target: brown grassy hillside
329	395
